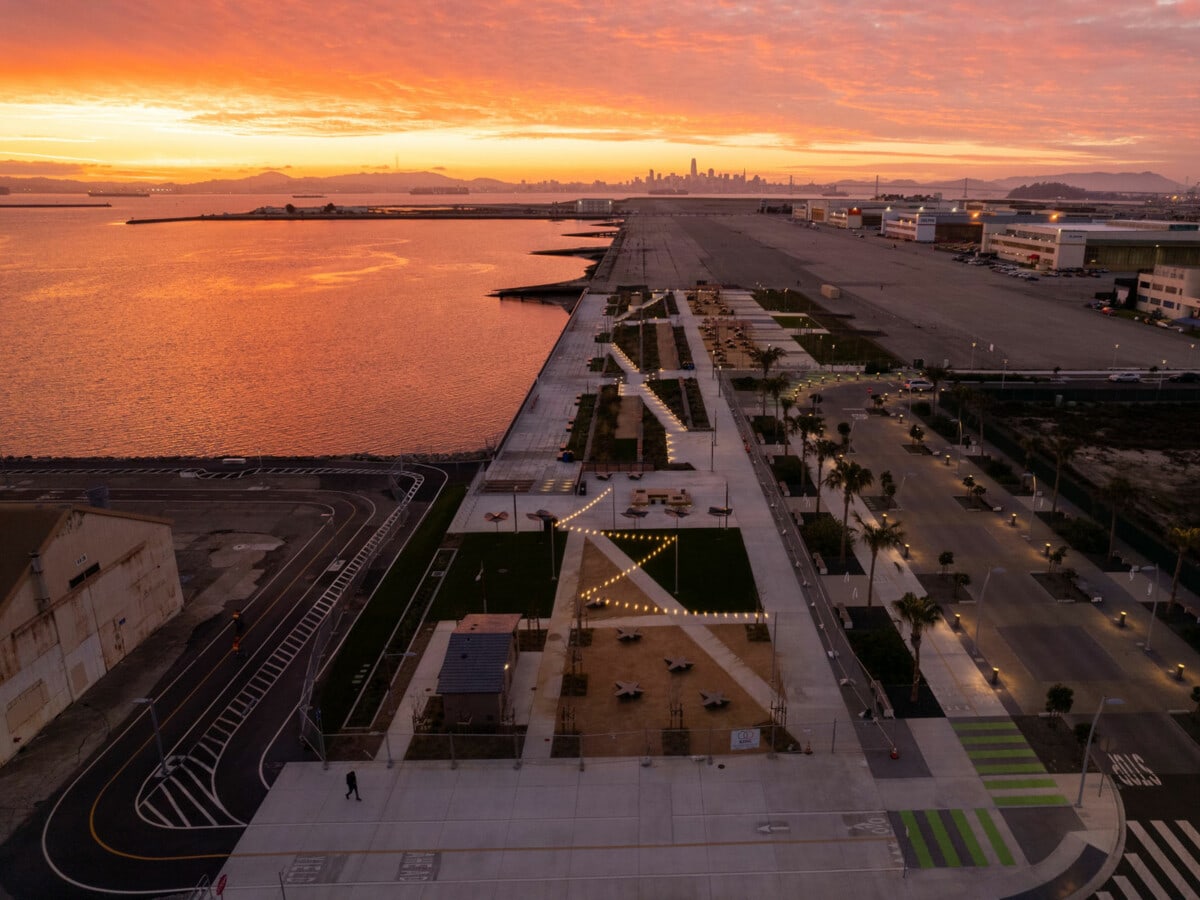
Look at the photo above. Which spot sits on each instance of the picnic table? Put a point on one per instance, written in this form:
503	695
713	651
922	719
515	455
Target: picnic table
597	603
714	699
628	690
677	663
628	634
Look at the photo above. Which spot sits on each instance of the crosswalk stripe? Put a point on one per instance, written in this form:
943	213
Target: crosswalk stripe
1175	844
1187	828
1127	888
968	837
1143	872
1167	867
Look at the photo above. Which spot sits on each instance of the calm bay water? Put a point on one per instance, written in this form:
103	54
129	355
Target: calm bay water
248	338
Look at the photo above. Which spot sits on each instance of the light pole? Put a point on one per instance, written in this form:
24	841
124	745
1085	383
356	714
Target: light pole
162	757
1104	701
973	354
1004	374
547	518
1154	605
676	514
1116	347
982	595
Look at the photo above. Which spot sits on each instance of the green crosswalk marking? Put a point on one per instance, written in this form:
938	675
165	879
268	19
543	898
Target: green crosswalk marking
943	838
1025	784
1032	800
1010	753
992	739
968	836
994	838
913	833
1010	768
1007	725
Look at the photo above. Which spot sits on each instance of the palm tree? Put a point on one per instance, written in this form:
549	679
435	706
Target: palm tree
775	387
785	408
960	394
824	449
936	374
885	536
1118	491
807	426
766	357
851	479
920	613
1063	448
982	403
1184	540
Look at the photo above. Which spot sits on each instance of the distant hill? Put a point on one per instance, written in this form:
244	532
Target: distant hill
1109	182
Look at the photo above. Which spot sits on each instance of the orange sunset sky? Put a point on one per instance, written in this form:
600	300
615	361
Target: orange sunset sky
813	89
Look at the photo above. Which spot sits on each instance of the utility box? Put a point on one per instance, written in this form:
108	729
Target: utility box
831	291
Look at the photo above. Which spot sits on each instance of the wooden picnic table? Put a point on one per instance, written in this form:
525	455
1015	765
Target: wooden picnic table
677	663
714	699
628	634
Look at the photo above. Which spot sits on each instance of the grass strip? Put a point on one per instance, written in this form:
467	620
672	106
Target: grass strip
968	836
1006	725
370	632
1011	769
915	839
934	818
1020	784
968	740
1032	800
993	835
1011	753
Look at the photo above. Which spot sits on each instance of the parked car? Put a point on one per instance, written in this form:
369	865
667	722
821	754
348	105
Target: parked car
1185	377
1125	376
918	385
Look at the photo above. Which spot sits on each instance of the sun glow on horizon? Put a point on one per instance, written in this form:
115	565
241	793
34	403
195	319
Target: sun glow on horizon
193	93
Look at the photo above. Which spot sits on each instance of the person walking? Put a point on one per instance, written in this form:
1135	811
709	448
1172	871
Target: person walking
352	785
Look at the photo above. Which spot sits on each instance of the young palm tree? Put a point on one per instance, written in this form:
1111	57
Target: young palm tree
1118	492
851	479
982	403
878	538
774	386
936	374
766	357
784	416
920	613
824	449
1184	540
1063	448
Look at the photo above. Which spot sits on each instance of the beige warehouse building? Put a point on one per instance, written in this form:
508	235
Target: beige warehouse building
80	588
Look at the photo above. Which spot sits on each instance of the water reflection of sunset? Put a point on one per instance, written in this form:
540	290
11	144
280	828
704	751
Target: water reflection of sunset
115	90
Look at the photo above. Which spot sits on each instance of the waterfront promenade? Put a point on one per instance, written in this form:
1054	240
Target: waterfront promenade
891	808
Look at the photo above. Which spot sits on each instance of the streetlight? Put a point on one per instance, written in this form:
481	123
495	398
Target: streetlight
676	514
1116	347
547	518
982	594
973	354
1154	605
1104	701
162	757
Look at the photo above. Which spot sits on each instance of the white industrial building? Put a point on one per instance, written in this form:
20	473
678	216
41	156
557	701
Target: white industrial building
80	588
1172	291
1119	245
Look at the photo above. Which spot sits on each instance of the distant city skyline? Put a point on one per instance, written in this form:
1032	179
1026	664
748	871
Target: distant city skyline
813	91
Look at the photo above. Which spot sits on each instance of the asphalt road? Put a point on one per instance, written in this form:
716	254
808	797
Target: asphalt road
225	719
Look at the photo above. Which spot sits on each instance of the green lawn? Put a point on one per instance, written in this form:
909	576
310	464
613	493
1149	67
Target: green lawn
368	637
714	571
516	573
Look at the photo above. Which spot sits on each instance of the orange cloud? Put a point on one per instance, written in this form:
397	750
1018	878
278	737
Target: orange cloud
773	85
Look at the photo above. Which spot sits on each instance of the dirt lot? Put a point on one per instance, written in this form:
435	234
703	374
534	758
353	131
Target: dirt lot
621	727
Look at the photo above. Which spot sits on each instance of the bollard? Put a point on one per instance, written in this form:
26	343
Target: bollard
957	622
947	459
1121	622
995	674
1013	520
1046	551
1179	672
907	551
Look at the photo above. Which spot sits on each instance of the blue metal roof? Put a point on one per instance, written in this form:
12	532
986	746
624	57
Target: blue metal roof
474	664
